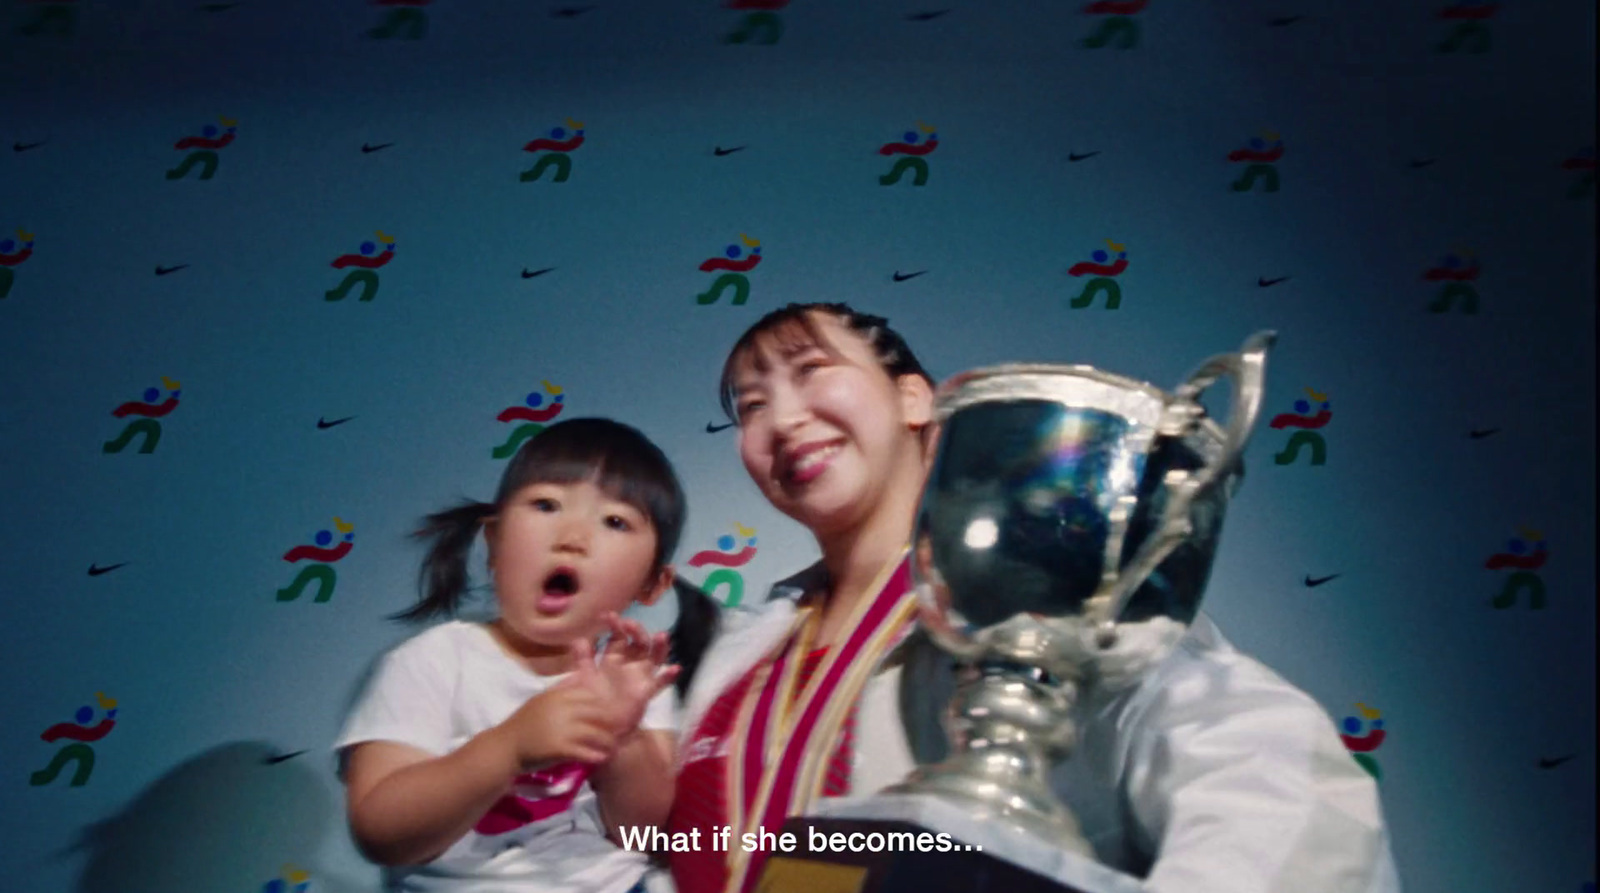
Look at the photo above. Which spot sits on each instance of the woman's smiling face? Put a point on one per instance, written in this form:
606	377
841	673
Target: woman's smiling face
821	424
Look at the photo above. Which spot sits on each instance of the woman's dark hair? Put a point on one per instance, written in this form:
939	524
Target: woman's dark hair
626	466
795	326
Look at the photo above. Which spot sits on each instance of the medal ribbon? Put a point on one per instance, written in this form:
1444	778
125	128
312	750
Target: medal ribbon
773	769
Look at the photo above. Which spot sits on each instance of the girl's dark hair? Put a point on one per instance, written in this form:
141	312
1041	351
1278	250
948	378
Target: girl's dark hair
795	325
626	466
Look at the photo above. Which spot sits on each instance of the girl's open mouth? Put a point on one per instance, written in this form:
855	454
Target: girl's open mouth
560	588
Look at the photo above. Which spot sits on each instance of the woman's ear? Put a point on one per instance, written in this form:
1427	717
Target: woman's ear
916	400
930	443
657	585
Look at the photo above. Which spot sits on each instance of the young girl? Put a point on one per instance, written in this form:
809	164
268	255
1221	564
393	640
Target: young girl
500	756
1210	774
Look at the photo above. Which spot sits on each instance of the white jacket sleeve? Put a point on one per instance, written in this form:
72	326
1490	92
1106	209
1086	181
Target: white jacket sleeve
1238	783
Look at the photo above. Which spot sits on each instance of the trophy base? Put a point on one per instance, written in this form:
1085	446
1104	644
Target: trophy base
984	857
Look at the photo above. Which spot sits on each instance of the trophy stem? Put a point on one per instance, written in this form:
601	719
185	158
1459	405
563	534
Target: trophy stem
1006	732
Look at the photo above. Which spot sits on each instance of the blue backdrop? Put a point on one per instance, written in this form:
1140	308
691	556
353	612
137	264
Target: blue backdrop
276	279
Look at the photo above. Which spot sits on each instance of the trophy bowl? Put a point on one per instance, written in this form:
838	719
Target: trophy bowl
1064	539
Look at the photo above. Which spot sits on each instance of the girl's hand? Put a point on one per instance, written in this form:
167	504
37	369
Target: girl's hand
565	722
632	670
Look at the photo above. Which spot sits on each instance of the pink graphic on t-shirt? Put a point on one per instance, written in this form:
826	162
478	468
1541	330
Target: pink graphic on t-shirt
537	796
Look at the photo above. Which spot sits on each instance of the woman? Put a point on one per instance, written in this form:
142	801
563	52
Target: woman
1237	780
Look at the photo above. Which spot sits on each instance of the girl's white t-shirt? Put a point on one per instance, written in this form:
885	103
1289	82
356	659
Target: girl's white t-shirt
439	689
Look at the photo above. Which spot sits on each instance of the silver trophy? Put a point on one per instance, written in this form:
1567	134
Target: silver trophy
1064	537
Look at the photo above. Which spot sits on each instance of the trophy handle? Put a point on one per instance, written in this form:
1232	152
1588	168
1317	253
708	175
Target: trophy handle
1247	368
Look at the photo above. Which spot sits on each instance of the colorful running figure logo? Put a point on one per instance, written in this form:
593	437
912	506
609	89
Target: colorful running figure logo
726	559
532	415
1118	24
1364	735
1469	26
1310	425
289	880
204	149
1524	554
57	17
1581	161
761	24
1260	155
734	264
1102	281
914	147
321	573
146	425
12	253
1458	270
366	263
82	734
405	20
535	796
556	146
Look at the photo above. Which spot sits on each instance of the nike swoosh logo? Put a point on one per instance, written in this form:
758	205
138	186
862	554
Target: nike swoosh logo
568	12
23	147
926	16
366	148
901	277
1549	763
1286	20
712	429
1314	583
280	758
719	151
529	274
1264	282
1074	156
1422	162
324	424
1479	434
96	570
162	271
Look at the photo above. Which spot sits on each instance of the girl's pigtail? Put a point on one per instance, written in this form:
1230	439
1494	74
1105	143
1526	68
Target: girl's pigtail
693	631
443	577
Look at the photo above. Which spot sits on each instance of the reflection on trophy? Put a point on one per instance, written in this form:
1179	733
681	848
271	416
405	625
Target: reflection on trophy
1064	539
